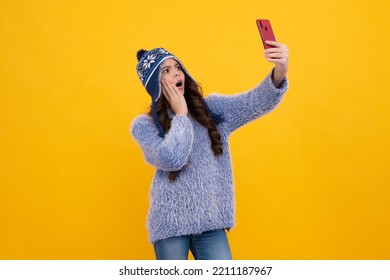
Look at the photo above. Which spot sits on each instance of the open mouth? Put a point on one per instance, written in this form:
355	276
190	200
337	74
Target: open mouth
179	84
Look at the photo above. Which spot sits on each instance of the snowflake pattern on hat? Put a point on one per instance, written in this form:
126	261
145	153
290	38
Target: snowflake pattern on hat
149	60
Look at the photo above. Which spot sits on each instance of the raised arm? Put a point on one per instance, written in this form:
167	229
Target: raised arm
239	109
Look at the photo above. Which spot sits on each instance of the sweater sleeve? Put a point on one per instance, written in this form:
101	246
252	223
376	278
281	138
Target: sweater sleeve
169	153
239	109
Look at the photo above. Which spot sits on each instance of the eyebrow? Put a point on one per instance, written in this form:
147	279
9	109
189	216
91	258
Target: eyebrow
170	66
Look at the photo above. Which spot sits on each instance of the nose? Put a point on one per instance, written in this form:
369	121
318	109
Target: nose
176	73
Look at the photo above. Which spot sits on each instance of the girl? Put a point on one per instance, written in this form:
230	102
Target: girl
185	137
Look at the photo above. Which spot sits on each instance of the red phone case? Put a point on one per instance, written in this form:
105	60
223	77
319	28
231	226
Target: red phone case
266	32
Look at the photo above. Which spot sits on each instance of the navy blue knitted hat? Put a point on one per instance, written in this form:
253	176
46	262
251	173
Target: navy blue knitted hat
149	69
149	72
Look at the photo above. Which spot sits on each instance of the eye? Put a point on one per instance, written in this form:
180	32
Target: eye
178	67
165	71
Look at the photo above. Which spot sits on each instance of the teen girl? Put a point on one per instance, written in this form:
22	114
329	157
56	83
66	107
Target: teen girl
185	137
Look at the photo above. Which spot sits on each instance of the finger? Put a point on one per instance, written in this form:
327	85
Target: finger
275	60
276	55
164	87
275	44
165	90
281	50
173	89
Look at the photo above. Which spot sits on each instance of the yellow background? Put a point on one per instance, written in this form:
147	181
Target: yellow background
312	178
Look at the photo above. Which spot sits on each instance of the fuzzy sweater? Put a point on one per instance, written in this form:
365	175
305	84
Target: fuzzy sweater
202	197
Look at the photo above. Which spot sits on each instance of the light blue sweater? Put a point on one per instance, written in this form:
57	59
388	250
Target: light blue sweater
202	197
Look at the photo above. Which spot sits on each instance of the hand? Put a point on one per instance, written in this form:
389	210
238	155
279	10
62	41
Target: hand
279	56
175	99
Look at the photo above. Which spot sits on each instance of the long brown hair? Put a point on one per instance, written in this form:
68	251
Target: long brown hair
199	111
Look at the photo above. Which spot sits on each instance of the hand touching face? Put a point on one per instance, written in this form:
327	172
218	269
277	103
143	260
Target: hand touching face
172	72
172	86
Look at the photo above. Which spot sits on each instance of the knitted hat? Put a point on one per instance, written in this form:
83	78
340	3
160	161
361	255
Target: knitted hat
149	72
149	69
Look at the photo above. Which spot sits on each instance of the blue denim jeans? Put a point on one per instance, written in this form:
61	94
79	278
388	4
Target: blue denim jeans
210	245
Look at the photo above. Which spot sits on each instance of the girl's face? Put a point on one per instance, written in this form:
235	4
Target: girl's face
172	72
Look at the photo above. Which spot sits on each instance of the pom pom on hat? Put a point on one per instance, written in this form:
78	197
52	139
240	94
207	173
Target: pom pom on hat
141	53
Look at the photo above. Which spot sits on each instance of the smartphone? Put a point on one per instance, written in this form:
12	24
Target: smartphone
266	32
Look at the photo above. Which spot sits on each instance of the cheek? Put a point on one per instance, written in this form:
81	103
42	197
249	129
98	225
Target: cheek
168	78
164	77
